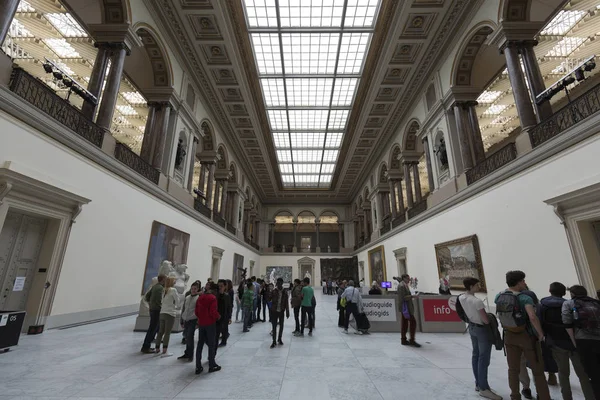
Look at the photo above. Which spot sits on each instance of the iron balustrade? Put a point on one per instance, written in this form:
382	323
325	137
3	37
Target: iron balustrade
385	229
257	247
494	162
399	220
231	229
219	220
417	209
124	154
41	96
201	208
576	111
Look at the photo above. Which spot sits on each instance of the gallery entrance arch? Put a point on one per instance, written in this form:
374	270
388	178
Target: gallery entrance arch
306	269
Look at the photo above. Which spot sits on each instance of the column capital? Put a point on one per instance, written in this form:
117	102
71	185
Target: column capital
515	33
116	34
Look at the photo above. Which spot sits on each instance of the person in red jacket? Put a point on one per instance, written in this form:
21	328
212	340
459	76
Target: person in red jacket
208	315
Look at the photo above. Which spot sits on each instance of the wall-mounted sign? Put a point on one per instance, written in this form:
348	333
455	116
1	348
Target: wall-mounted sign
435	310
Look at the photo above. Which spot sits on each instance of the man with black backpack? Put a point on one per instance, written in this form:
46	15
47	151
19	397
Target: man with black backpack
563	350
473	311
581	315
522	330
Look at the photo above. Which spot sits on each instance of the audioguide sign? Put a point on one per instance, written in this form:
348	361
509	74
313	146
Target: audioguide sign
380	310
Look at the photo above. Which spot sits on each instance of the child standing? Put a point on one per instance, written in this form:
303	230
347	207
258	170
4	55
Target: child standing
167	317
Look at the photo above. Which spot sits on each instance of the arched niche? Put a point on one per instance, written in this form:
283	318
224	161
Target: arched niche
222	161
233	176
383	174
477	62
394	162
181	151
411	143
149	66
208	136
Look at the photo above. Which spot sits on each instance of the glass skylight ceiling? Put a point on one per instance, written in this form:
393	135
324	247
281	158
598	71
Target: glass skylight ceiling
309	56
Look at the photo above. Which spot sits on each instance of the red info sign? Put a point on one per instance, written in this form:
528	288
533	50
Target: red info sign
435	310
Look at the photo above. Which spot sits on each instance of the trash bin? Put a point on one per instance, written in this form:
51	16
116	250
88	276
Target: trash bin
11	323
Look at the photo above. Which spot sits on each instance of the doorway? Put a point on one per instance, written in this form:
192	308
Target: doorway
21	240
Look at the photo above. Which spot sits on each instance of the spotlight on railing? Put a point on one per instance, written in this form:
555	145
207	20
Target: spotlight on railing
74	87
577	73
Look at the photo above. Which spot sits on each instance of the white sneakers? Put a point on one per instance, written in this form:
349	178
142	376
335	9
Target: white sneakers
488	394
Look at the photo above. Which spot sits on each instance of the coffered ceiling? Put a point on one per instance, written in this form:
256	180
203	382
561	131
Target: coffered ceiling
409	39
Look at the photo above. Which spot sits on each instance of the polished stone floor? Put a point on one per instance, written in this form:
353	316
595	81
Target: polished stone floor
103	361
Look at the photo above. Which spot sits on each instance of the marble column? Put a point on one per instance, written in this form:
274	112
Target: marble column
475	133
190	182
366	223
96	79
392	184
235	214
209	187
317	229
216	197
272	226
535	78
408	181
401	209
378	211
224	200
461	116
340	233
519	87
111	90
8	9
246	224
295	223
155	134
418	194
256	232
425	142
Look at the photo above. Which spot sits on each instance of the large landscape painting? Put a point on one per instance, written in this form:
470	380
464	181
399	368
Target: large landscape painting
166	243
279	272
460	259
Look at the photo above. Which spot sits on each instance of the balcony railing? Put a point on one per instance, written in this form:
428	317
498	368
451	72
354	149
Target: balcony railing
257	247
219	220
124	154
496	161
385	229
37	93
231	229
417	209
399	220
201	208
581	108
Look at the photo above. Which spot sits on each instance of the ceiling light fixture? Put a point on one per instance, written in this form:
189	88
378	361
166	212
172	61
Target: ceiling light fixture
67	80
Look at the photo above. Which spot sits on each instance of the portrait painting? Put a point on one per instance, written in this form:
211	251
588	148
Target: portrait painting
377	265
238	265
166	243
460	259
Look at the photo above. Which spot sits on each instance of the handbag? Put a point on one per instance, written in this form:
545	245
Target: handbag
343	302
405	310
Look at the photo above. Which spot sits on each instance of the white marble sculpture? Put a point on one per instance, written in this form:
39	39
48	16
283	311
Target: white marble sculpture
308	275
272	277
181	280
166	268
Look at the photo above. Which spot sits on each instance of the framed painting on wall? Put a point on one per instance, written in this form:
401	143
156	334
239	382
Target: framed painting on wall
166	243
377	270
460	259
238	265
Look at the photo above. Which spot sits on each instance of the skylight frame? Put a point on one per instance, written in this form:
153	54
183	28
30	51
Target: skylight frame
318	67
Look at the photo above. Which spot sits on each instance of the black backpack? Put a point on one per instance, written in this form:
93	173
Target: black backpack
588	315
461	311
509	312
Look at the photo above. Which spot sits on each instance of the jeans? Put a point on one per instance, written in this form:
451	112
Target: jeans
589	353
562	357
264	309
258	305
517	344
482	353
164	333
342	317
405	327
189	328
307	311
152	328
247	315
207	334
277	319
351	308
297	318
223	330
238	308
